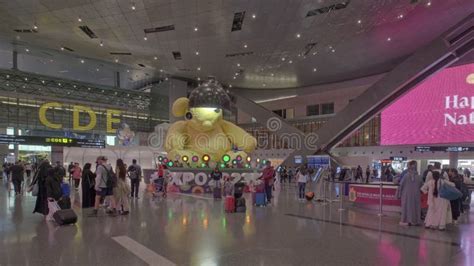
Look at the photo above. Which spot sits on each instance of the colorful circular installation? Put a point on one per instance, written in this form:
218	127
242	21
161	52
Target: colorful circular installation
206	158
170	164
185	158
195	158
249	159
226	158
238	158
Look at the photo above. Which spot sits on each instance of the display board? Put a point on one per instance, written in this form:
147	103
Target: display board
51	141
317	161
438	111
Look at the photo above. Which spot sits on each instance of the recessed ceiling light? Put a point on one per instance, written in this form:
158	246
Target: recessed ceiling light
8	76
166	78
82	61
298	35
291	61
27	50
199	69
238	65
101	44
315	69
128	71
315	53
116	60
333	50
79	19
196	29
271	74
264	85
359	21
283	59
198	78
245	46
145	38
156	58
133	6
235	77
35	26
254	16
26	79
97	69
62	48
59	84
428	4
389	39
161	70
42	81
230	85
197	53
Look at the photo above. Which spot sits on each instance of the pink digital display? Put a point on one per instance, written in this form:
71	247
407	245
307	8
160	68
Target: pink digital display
438	111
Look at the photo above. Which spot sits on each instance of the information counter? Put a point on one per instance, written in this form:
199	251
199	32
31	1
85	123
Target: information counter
368	196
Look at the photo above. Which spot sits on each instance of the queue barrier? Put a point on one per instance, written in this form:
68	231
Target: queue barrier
343	184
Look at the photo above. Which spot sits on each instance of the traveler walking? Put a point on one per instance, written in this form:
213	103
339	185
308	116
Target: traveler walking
122	190
267	175
457	203
17	171
302	179
367	174
135	174
410	194
39	180
88	187
438	208
105	181
76	175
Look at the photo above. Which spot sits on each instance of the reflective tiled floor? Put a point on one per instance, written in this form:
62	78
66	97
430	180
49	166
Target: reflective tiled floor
190	230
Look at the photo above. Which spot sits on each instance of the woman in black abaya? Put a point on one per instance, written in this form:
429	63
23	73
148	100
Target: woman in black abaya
41	205
88	190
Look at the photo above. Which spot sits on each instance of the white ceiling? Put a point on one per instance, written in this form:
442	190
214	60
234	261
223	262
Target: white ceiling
360	49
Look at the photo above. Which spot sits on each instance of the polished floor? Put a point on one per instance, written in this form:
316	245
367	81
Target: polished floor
195	230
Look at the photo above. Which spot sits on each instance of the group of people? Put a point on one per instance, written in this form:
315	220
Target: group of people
440	211
104	186
15	173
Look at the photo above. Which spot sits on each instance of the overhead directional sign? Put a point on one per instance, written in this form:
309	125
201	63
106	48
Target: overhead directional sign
52	141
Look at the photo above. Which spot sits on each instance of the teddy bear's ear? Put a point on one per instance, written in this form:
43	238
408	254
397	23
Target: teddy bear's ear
180	107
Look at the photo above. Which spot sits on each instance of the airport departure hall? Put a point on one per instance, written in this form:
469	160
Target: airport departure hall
236	132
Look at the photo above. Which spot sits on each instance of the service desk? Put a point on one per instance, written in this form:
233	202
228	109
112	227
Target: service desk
368	196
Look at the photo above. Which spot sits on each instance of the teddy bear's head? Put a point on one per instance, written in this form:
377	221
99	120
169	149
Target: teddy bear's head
204	108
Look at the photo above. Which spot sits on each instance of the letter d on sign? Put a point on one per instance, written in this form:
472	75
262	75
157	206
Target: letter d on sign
76	118
42	115
111	120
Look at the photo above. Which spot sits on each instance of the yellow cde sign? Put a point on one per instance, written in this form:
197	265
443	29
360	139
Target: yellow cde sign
111	116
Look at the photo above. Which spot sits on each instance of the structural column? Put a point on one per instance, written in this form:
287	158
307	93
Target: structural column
453	159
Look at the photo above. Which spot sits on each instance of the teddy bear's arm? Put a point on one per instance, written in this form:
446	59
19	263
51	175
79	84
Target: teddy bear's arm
239	137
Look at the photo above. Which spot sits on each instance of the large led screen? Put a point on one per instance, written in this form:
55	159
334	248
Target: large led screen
440	110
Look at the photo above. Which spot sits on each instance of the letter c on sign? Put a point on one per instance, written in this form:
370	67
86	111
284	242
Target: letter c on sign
42	115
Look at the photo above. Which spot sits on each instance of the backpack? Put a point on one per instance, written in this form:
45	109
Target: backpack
132	172
111	178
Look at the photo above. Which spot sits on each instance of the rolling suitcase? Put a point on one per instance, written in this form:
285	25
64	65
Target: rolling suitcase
260	199
240	205
217	193
229	204
64	217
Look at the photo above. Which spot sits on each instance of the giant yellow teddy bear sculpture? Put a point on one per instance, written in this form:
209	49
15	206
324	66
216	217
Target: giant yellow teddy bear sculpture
204	131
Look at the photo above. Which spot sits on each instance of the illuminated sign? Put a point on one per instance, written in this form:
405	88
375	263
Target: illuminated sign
398	158
439	110
111	116
52	141
441	148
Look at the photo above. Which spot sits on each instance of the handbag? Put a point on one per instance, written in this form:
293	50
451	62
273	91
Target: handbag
448	192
